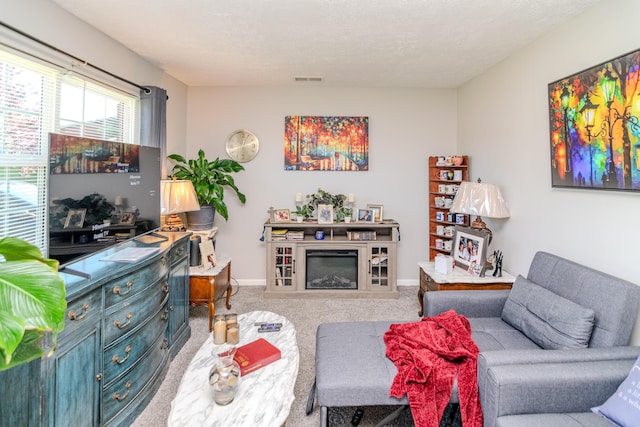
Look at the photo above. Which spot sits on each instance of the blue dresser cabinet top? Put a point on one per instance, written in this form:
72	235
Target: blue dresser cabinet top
91	272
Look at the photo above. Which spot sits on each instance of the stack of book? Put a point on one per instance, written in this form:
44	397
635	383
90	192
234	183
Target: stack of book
279	234
295	235
361	235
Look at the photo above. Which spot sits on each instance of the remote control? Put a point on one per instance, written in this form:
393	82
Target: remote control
269	329
263	324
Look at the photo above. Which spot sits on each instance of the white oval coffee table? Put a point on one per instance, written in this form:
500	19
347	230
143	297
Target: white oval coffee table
264	397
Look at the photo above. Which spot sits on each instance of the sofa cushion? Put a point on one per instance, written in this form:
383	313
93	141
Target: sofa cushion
623	408
549	320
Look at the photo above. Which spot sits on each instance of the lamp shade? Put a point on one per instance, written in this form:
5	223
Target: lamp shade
478	198
177	196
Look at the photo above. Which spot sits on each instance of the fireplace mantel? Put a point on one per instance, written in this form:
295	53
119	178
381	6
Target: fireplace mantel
375	244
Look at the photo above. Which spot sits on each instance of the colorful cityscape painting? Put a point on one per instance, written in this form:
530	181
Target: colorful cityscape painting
594	126
326	143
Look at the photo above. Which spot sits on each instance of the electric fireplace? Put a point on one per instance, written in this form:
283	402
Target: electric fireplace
331	269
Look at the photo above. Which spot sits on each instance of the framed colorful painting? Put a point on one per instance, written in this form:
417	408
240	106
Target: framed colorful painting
326	143
594	126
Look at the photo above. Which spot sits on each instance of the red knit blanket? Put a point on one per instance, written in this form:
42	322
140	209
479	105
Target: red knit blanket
428	355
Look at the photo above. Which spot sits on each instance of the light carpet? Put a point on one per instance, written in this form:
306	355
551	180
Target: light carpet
306	314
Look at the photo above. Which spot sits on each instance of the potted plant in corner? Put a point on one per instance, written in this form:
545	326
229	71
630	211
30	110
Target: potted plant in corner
32	303
209	179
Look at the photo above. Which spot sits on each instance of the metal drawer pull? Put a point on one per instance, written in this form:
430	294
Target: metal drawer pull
85	310
181	250
116	359
116	290
164	260
124	325
165	287
165	315
164	345
116	395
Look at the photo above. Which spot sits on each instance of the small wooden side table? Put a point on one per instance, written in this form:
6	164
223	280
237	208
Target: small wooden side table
206	286
457	280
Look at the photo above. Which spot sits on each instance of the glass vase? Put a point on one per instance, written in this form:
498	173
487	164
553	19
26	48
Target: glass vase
224	377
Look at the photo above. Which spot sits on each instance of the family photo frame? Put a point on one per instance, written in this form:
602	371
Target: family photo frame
365	215
469	249
128	218
75	218
281	215
377	212
325	214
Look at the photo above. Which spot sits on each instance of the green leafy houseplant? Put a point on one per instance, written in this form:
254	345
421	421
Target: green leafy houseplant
209	179
32	303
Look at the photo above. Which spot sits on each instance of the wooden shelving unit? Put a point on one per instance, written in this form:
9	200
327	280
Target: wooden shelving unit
444	181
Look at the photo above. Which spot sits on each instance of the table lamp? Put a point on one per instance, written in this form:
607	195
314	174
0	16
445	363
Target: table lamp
480	199
177	196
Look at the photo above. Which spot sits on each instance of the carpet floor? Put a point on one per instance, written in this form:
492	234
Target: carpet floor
306	314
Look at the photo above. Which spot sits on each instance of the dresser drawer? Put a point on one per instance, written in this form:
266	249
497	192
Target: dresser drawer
121	356
81	309
129	285
178	253
123	392
135	311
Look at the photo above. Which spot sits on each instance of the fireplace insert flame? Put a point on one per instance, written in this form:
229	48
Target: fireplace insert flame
331	269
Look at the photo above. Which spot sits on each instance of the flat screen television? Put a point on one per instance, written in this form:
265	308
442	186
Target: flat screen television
100	193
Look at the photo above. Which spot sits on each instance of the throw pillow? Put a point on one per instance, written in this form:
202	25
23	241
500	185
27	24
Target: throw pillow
623	408
549	320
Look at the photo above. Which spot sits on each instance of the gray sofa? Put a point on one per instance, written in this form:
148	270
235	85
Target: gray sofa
560	316
504	348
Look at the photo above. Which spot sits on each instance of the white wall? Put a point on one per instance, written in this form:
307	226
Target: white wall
405	127
503	125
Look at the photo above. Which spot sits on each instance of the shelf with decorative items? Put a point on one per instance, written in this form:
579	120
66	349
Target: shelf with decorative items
445	175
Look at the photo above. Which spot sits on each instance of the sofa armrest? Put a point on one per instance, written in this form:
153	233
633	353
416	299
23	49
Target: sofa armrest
550	381
466	303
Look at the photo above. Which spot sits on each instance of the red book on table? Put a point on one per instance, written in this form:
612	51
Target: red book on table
255	355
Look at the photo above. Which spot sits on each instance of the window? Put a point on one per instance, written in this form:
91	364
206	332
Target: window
34	101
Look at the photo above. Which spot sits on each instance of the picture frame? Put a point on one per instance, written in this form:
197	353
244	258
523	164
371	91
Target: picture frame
281	215
469	249
377	212
325	214
207	254
75	218
128	218
594	126
365	215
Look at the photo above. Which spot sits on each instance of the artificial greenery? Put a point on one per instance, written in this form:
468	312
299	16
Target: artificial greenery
32	303
322	197
209	179
303	211
97	206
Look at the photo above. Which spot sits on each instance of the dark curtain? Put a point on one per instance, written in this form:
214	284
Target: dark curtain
153	121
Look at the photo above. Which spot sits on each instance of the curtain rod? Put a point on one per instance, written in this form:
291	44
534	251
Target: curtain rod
95	67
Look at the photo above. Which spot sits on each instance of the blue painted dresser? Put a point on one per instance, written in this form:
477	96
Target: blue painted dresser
124	322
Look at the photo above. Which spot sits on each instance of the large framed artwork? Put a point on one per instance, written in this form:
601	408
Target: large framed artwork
594	126
326	143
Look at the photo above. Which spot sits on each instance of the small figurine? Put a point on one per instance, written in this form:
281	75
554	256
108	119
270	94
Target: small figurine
497	272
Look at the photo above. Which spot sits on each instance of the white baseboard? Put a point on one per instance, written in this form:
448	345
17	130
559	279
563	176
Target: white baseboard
263	282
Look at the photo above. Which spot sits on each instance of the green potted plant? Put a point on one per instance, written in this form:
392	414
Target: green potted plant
32	303
302	212
209	178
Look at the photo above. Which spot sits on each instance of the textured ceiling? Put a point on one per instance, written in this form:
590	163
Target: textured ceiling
349	43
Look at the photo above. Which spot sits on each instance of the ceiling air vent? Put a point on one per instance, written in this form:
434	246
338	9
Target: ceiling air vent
307	79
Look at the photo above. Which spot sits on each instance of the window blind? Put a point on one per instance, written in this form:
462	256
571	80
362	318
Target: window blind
34	101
